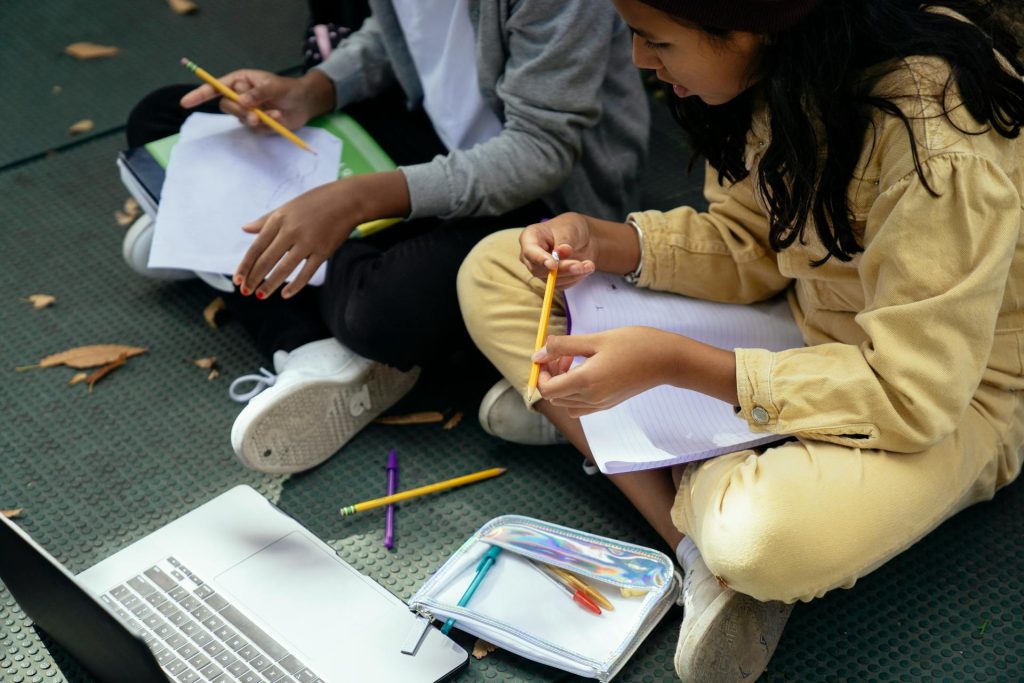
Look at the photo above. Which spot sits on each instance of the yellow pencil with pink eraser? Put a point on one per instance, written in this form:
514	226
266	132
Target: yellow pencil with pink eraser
227	92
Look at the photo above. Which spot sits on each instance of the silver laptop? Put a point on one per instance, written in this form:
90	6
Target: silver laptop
235	590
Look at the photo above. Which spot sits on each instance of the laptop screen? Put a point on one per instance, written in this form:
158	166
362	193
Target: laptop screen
49	595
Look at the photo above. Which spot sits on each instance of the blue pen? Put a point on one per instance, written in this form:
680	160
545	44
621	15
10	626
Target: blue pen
486	562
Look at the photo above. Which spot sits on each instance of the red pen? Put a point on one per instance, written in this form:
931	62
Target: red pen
578	596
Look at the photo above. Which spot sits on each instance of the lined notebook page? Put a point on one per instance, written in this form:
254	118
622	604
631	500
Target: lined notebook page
667	426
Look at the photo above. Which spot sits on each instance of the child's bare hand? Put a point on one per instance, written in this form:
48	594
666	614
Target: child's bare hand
619	365
307	229
570	235
291	101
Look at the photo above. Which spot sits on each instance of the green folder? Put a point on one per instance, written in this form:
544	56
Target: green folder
360	153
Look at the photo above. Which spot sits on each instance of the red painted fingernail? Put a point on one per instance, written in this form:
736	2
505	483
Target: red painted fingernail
260	295
245	291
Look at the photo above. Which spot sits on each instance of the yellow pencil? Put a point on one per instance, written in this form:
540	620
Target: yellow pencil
233	96
422	490
542	327
583	586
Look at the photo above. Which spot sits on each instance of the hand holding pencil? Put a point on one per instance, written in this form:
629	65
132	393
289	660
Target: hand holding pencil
286	102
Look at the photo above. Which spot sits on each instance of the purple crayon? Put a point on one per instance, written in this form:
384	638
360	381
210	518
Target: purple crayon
389	515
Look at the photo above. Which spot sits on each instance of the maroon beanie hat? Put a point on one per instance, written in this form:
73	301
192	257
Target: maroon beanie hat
756	16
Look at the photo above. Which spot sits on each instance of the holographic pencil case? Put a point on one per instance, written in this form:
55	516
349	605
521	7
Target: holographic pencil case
524	609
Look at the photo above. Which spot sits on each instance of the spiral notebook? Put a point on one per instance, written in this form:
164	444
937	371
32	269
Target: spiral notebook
666	425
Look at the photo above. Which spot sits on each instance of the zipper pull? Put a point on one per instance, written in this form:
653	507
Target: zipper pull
417	631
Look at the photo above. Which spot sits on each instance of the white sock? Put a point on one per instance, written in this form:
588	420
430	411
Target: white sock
687	553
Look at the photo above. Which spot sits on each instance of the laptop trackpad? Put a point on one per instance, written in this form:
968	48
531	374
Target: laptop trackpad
338	622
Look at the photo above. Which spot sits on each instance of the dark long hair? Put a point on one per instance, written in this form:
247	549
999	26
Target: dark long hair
808	76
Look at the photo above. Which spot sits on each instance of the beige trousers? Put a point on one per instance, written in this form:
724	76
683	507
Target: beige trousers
796	520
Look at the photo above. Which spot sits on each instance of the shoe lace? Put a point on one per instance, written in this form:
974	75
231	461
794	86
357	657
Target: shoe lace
264	380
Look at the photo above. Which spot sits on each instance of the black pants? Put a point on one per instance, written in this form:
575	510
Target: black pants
390	297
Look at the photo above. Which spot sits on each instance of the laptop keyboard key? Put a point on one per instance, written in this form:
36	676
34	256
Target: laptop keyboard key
259	662
156	599
176	641
164	631
250	678
201	638
201	613
291	665
224	633
175	666
188	651
254	633
272	673
305	676
215	601
211	672
120	592
203	592
238	669
248	653
236	643
157	576
213	648
189	604
213	622
189	628
226	658
178	593
141	586
188	676
200	661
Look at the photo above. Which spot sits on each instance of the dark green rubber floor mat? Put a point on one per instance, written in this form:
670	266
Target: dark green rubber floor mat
53	90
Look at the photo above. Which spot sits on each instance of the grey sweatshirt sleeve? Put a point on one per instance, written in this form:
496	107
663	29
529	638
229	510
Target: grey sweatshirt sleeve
359	67
550	90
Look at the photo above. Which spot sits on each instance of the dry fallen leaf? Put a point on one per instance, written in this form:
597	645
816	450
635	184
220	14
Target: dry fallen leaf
11	514
40	300
454	421
105	370
412	419
83	357
127	215
183	6
90	50
211	311
79	377
214	374
205	363
481	648
79	127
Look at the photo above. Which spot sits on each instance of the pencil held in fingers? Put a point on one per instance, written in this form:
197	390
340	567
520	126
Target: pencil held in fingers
542	327
227	92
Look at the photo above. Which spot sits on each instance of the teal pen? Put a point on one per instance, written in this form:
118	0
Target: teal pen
486	562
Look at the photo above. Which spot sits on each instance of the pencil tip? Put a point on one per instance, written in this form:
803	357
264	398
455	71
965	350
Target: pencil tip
184	60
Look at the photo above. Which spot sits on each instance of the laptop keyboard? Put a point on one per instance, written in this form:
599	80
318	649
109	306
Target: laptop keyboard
197	635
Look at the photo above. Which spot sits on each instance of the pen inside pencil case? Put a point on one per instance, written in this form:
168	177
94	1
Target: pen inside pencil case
630	572
521	600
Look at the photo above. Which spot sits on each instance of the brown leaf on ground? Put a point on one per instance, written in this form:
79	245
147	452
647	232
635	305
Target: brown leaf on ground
105	370
205	363
454	420
214	374
11	514
424	418
79	377
82	357
87	50
40	300
183	6
481	648
79	127
128	213
211	311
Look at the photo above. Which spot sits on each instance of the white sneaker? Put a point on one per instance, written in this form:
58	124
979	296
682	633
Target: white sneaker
504	415
135	249
322	395
725	635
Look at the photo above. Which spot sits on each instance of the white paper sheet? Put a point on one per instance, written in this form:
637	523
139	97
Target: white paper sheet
221	176
667	426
